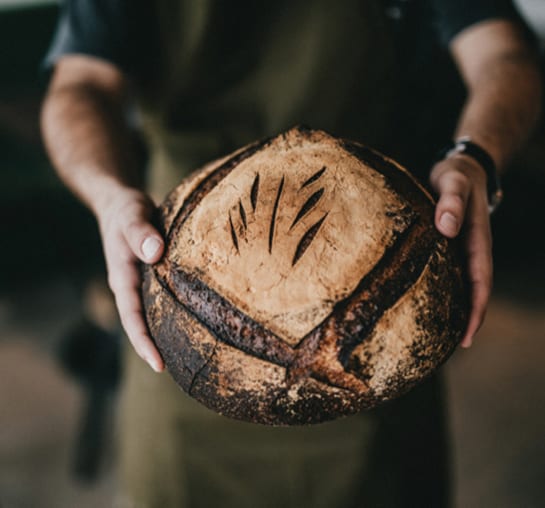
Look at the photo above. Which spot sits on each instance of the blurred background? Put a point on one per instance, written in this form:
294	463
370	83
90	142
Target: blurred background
53	397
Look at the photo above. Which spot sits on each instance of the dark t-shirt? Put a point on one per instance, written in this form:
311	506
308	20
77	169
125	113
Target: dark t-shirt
417	119
120	30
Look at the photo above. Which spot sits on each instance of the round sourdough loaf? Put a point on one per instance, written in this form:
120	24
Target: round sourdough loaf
303	279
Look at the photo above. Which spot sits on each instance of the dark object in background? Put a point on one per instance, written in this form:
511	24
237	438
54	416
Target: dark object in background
303	280
92	356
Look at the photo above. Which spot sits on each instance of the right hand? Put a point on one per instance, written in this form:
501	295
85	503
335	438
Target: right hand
463	206
128	237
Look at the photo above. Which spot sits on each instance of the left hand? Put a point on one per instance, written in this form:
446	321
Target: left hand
460	183
128	237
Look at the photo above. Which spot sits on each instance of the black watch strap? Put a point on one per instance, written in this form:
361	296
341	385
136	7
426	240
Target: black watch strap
467	147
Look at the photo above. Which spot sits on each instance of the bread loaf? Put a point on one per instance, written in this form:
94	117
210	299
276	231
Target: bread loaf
303	279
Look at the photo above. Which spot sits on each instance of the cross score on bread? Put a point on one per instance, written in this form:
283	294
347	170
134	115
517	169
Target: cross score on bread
306	254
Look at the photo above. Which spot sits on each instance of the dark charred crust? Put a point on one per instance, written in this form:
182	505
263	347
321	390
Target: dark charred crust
198	374
304	356
308	205
306	404
227	323
306	240
274	213
172	333
313	178
309	405
381	288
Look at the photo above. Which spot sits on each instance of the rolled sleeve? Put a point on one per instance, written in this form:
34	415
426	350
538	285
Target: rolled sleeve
453	16
91	27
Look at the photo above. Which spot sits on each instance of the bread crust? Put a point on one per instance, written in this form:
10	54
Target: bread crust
303	280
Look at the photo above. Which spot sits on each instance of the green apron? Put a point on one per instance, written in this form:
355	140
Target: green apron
232	72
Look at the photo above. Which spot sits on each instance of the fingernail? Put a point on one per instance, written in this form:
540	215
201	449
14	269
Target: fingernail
154	364
155	368
150	246
448	223
467	342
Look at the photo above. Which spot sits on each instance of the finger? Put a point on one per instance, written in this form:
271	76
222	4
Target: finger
144	240
124	283
479	299
454	189
131	316
479	241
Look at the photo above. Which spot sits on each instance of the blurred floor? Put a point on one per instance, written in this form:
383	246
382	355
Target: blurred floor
497	409
496	392
40	406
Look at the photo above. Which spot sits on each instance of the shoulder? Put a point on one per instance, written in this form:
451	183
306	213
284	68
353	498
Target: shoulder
453	16
98	28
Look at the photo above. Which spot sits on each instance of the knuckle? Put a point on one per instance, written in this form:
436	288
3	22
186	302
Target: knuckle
137	320
136	232
134	229
453	178
459	180
132	320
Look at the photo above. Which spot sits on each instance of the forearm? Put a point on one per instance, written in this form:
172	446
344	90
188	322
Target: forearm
88	141
90	146
504	90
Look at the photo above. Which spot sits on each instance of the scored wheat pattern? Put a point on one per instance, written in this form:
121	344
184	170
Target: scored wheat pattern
309	204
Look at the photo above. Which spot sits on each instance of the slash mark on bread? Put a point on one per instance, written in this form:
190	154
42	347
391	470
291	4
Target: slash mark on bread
313	178
274	213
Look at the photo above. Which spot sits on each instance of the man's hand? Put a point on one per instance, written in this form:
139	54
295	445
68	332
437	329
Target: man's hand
86	134
463	208
503	81
128	237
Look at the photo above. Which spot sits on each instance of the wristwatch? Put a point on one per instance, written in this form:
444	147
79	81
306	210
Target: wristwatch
465	146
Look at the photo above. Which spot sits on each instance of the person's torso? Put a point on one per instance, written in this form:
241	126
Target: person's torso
228	73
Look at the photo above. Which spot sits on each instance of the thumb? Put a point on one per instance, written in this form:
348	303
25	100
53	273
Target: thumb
454	189
144	240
